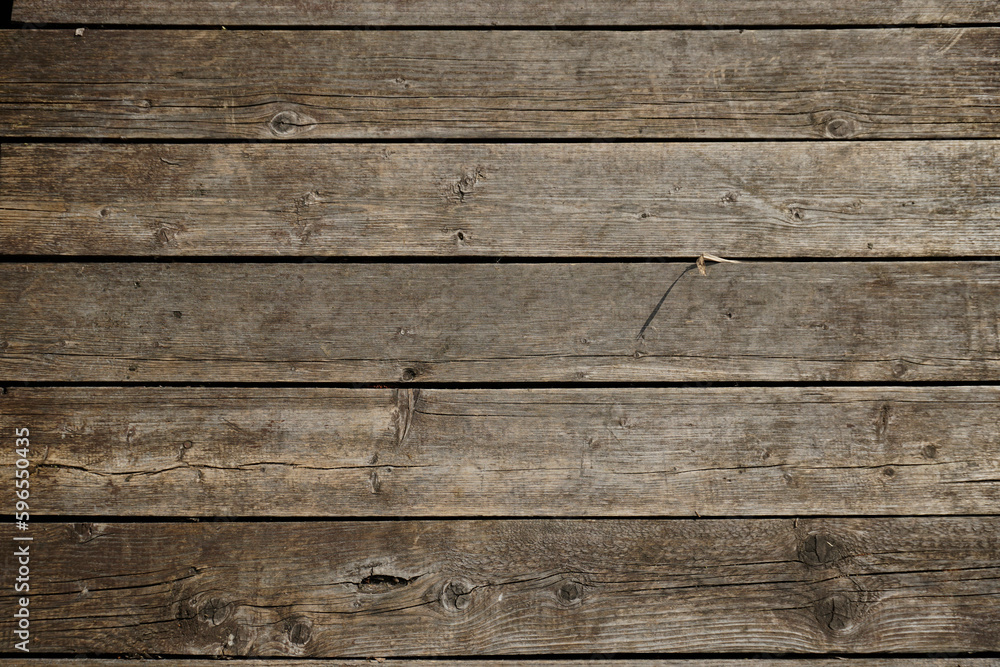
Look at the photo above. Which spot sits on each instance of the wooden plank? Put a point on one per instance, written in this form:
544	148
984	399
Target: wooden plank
513	12
403	588
278	85
511	452
595	661
490	322
784	199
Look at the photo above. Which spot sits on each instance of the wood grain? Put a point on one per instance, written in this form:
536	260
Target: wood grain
789	199
512	12
774	321
513	452
403	588
279	85
597	661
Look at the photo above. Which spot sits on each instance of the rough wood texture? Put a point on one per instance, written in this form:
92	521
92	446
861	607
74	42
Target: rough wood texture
500	322
599	660
556	452
464	84
357	589
612	200
512	12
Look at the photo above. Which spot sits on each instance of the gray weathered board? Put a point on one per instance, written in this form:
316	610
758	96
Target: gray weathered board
811	199
215	452
253	84
416	588
489	322
509	12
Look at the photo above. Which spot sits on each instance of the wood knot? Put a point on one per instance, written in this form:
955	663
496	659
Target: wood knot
840	128
836	613
85	532
838	124
464	186
287	123
214	612
455	596
819	549
569	593
299	631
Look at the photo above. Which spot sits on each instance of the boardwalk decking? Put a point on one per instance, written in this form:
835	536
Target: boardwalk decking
565	333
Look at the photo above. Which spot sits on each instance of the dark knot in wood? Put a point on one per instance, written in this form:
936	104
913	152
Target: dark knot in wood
569	592
455	596
299	631
287	123
819	549
836	612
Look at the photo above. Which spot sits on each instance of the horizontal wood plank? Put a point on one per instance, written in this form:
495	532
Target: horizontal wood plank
512	452
276	85
788	199
402	588
343	322
512	12
596	660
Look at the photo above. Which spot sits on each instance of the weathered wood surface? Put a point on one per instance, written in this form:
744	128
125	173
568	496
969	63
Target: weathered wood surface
917	83
494	322
601	200
525	452
598	660
512	12
403	588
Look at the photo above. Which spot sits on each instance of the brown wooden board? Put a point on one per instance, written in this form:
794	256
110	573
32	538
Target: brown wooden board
188	451
856	83
597	660
844	199
489	322
511	12
404	588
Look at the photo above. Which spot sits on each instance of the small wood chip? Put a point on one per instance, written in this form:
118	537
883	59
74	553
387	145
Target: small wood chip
80	31
711	258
